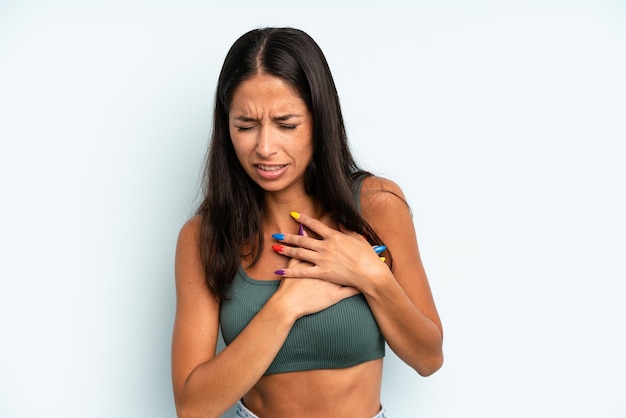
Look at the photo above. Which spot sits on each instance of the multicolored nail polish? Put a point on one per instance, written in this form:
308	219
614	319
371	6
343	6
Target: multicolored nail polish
278	248
295	215
300	229
280	272
382	259
379	248
279	237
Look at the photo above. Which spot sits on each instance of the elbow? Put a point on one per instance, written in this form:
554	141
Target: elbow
432	359
434	363
185	410
184	413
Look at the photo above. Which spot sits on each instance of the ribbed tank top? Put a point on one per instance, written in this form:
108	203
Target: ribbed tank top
343	335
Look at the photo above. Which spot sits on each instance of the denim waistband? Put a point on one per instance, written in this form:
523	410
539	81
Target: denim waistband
243	412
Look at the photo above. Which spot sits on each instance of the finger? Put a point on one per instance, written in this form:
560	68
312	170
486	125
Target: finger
302	241
379	248
300	252
299	272
313	224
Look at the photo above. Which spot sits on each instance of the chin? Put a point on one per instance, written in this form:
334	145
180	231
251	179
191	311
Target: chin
275	186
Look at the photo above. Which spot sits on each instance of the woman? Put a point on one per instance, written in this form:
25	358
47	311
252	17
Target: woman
280	253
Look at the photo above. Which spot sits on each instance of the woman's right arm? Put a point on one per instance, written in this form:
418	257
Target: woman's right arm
206	384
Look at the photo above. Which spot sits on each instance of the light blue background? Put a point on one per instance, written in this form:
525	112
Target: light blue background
504	122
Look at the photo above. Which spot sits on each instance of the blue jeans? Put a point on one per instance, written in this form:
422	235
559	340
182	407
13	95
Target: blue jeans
243	412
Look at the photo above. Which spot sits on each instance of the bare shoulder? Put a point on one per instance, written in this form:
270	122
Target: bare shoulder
385	208
188	238
188	260
380	195
190	230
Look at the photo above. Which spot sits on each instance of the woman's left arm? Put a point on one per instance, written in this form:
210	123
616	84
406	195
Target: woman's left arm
400	298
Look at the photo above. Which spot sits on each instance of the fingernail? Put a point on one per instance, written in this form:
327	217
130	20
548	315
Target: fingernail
278	248
380	248
300	230
280	272
295	215
382	259
279	237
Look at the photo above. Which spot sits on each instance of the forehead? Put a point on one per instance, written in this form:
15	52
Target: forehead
266	93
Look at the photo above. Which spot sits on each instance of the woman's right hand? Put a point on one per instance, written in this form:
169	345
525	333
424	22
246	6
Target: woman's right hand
305	296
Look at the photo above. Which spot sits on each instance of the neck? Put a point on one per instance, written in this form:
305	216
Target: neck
277	209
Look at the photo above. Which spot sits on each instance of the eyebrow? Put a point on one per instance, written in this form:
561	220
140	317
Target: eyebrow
281	118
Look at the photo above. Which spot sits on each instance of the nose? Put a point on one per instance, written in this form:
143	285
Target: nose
265	144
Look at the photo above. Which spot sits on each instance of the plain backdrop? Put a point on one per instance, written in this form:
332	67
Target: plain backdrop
503	122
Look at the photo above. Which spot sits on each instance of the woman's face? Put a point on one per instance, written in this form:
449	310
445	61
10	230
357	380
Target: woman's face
272	131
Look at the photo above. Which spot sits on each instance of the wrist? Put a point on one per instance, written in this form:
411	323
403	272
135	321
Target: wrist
377	281
281	309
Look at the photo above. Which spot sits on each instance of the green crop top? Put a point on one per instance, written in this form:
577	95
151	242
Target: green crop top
343	335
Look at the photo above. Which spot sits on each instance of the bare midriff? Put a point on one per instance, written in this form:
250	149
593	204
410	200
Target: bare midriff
352	392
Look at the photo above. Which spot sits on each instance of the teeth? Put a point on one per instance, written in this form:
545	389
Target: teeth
270	167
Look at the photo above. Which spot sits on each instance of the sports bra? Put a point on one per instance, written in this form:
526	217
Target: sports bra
343	335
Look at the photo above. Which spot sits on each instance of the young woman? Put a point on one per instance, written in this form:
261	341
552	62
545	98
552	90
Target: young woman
283	253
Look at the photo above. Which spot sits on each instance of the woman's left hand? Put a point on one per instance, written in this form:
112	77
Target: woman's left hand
343	257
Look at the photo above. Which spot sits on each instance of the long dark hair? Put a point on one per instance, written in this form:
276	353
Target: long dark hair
232	206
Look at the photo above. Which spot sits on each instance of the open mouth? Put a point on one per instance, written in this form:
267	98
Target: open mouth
270	172
269	167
